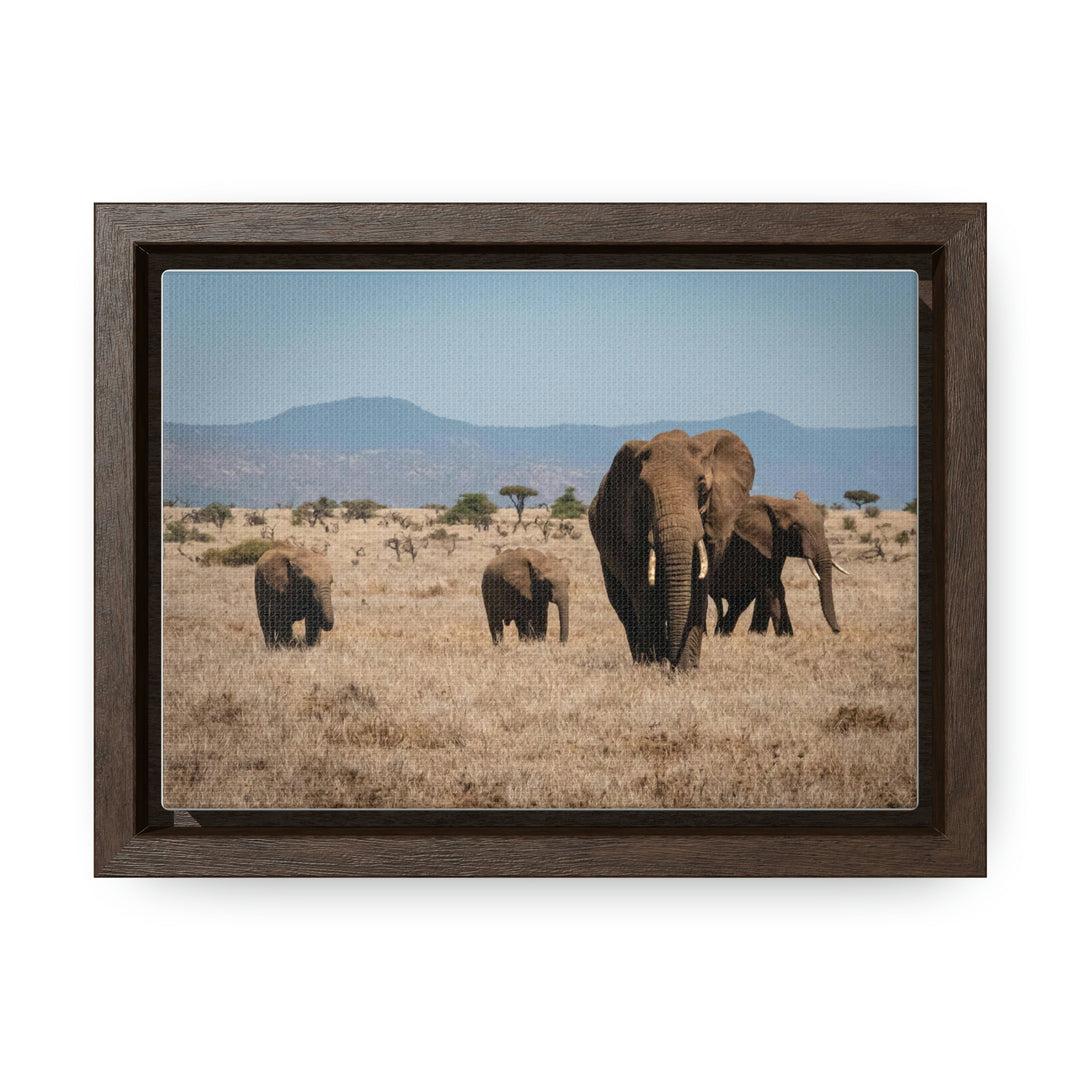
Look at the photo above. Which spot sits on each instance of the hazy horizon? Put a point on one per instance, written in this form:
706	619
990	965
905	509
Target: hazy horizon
542	348
626	423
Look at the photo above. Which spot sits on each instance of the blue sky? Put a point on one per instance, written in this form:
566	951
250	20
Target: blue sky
821	349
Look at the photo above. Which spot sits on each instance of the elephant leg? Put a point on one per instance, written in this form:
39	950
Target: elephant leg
494	608
772	604
759	623
719	613
540	619
780	619
272	612
267	626
735	608
312	630
625	610
652	621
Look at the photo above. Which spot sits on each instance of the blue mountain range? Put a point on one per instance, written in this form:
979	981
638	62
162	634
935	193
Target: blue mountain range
392	451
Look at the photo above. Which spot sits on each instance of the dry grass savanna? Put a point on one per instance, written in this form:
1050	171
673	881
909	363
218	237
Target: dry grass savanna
407	703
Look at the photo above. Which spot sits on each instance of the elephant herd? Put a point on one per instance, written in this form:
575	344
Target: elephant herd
674	523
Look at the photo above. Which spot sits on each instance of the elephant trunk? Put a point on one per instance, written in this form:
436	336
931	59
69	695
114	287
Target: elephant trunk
824	569
562	602
325	606
676	556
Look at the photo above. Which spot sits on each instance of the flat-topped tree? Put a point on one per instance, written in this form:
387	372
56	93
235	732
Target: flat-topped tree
860	497
517	494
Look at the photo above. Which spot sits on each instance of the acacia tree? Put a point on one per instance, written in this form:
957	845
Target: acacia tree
860	497
314	513
517	495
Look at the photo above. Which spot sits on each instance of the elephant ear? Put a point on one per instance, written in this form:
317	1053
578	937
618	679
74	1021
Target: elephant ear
517	571
614	507
275	569
755	526
730	467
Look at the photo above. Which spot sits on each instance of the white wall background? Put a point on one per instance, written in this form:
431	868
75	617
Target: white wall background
561	101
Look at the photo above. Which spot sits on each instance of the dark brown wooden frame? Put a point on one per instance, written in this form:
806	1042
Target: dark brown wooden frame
133	836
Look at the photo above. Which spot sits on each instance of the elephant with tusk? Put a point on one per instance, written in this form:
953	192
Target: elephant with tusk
661	516
768	532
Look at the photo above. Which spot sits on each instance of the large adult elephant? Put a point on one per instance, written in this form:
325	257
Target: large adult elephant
518	586
664	510
767	532
292	583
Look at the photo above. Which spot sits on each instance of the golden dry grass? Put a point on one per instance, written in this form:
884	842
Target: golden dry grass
406	703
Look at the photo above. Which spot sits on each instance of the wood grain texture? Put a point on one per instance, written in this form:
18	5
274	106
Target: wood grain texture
114	557
945	242
965	552
740	224
184	853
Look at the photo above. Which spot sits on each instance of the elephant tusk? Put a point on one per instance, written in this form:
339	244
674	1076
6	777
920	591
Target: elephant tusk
704	559
813	569
839	567
652	567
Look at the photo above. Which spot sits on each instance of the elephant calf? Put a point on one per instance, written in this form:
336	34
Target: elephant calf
517	587
292	583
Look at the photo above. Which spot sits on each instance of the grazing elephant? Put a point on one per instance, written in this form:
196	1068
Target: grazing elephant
767	532
292	583
663	512
517	587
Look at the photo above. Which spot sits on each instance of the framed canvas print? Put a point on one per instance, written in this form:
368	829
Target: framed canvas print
540	539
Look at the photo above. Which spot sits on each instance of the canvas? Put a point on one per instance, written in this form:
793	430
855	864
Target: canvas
424	538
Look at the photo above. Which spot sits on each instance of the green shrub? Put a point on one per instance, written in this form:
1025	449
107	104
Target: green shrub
215	514
246	553
903	537
912	507
360	509
849	523
872	511
865	538
176	532
470	509
567	505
